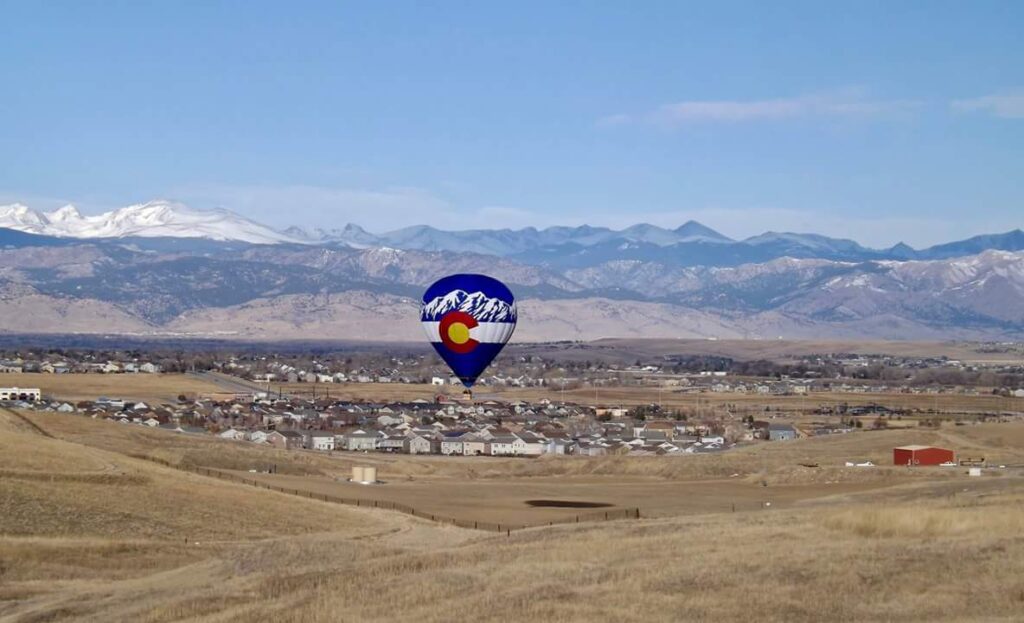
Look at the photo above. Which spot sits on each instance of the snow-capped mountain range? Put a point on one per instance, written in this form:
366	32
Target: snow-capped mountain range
145	220
559	248
297	291
162	266
477	304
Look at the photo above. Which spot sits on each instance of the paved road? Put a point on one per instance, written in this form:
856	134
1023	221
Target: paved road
228	383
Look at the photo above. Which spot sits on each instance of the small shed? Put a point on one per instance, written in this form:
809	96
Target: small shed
922	455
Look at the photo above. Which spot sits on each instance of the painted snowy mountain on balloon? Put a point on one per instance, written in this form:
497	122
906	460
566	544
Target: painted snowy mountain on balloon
477	305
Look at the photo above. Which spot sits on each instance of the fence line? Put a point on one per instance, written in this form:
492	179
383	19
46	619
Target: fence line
606	515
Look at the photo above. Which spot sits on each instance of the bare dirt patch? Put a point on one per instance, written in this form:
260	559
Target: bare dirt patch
566	504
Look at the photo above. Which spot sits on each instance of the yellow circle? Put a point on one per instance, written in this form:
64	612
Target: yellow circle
458	333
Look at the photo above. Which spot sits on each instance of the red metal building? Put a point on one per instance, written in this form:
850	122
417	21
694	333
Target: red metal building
922	455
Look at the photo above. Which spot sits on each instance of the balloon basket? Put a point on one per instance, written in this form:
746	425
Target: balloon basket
467	395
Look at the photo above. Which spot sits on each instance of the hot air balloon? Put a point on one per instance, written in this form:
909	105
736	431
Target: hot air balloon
468	319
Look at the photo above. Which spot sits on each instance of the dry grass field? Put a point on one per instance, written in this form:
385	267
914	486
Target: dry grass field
155	388
88	533
627	396
628	350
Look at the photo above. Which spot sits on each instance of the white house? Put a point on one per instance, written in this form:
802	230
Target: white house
592	449
149	368
507	445
231	433
473	445
392	443
437	380
358	441
258	436
452	445
417	444
320	441
559	446
533	444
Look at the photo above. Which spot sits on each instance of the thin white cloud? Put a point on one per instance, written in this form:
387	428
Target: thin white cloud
841	103
1005	106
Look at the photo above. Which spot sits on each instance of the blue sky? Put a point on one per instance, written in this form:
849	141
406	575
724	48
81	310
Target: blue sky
881	121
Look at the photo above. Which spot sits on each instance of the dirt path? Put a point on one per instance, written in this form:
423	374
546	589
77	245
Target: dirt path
21	421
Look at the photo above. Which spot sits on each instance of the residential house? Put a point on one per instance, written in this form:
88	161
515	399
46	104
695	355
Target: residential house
559	446
318	440
452	444
506	445
418	444
392	443
781	432
258	436
361	441
474	444
285	439
533	444
667	430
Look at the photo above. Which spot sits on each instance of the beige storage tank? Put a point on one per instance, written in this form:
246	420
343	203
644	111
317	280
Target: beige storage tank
357	474
369	474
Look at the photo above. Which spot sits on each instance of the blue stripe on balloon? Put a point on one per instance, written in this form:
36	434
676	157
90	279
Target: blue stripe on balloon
470	365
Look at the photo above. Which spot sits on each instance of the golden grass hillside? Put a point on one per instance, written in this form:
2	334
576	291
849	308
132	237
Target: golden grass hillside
165	545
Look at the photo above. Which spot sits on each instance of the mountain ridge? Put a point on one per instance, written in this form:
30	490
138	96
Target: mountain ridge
167	273
558	247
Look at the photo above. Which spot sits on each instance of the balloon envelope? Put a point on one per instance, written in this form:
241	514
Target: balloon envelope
468	319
